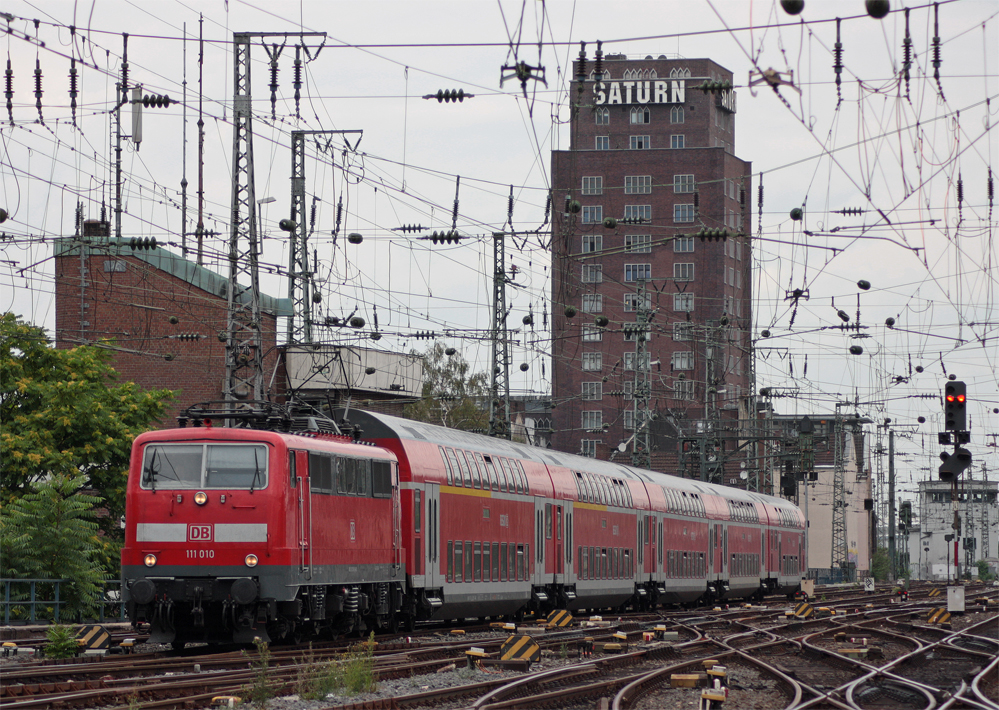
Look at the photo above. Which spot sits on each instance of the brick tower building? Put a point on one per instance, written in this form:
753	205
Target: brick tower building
649	241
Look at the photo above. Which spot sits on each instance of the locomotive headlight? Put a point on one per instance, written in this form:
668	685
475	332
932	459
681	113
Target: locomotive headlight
150	560
200	497
251	560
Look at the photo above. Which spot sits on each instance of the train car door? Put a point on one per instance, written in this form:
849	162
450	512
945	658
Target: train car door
432	535
569	578
537	573
298	464
554	526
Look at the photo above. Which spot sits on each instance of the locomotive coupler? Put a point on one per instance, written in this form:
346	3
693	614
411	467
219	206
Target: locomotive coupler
197	611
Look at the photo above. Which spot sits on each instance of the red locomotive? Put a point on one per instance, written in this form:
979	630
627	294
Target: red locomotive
236	533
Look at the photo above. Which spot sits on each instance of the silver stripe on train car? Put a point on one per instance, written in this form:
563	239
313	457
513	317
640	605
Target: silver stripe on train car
161	532
241	532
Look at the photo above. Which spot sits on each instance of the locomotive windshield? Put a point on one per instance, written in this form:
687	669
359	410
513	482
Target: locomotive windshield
242	466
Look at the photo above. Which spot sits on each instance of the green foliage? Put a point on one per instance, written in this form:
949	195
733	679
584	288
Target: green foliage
452	396
359	669
52	533
317	680
260	691
880	565
62	642
63	413
983	571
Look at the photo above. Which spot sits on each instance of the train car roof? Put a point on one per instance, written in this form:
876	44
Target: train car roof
375	425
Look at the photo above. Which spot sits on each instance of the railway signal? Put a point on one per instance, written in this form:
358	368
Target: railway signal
955	411
954	464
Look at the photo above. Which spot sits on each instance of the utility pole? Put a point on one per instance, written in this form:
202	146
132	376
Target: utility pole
641	455
892	525
244	378
499	390
299	273
985	513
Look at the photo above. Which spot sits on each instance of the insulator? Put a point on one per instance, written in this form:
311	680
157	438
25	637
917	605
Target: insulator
838	62
274	82
990	191
124	63
448	95
843	316
697	201
339	215
548	207
960	190
157	101
509	206
409	228
297	82
598	62
38	87
581	65
906	53
742	196
850	211
9	92
936	47
189	337
73	87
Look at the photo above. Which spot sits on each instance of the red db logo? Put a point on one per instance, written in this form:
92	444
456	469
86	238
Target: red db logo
199	533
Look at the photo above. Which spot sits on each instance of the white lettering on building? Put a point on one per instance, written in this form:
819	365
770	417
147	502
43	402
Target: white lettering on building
642	92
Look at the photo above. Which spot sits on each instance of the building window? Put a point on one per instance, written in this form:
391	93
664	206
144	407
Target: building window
676	141
641	115
683	302
637	184
594	214
638	243
603	117
683	331
683	272
603	143
592	334
676	114
593	362
681	213
593	303
631	302
629	419
593	273
638	214
683	389
683	244
588	447
593	420
592	391
638	272
628	388
639	143
594	242
593	185
682	360
681	183
631	359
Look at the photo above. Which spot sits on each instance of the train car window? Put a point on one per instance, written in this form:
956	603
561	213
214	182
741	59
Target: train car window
381	479
320	473
417	510
523	477
447	466
548	521
477	567
450	561
466	472
558	523
172	466
476	473
502	561
458	561
236	466
520	562
455	468
483	474
348	474
293	477
486	563
362	482
496	562
491	470
468	561
506	477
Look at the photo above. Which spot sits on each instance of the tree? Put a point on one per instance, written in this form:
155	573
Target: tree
451	396
52	533
880	564
64	414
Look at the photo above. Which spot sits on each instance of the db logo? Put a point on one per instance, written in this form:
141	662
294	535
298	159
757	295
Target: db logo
199	533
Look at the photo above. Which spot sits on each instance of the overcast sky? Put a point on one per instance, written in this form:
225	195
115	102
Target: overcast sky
932	268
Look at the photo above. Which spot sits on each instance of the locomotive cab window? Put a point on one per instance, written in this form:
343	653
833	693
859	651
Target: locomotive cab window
239	466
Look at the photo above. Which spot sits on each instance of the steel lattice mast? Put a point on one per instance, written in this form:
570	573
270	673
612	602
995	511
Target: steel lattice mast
299	272
499	390
839	548
640	454
244	370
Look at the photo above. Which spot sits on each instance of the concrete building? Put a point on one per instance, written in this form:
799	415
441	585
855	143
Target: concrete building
932	539
650	168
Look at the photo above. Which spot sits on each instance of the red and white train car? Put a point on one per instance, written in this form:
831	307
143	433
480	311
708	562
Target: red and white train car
237	533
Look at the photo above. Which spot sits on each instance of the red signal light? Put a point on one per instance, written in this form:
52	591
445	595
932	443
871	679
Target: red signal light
950	398
960	398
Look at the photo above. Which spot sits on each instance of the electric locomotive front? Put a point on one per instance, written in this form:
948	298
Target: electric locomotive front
207	554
